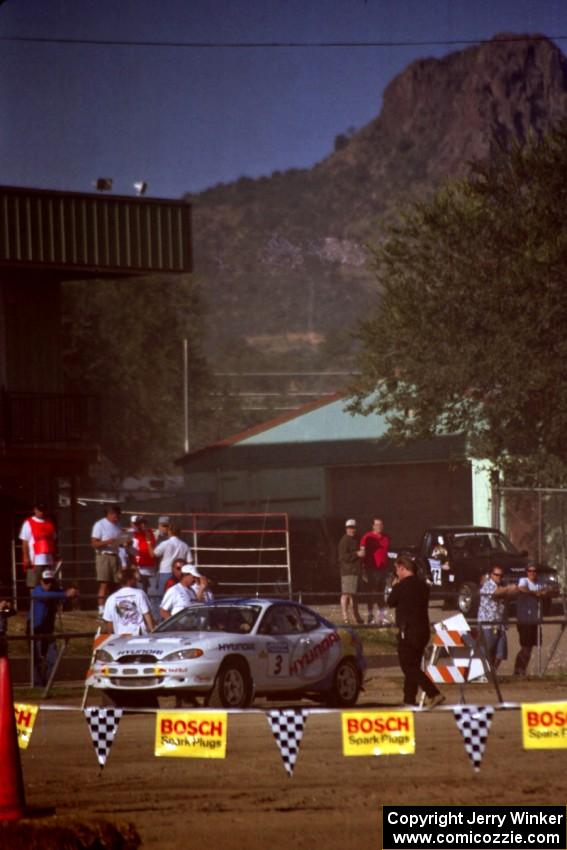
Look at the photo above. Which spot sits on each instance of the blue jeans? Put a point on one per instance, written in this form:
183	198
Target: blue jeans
150	585
44	657
495	642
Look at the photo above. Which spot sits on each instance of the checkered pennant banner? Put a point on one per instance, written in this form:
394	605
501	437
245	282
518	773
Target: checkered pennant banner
287	727
474	722
103	723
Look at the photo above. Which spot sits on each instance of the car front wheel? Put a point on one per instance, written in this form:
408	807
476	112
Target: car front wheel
233	686
346	685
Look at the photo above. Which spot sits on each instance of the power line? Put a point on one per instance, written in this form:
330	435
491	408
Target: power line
207	45
281	374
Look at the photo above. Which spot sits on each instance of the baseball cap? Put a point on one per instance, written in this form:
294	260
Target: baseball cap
47	574
136	519
163	520
350	523
189	569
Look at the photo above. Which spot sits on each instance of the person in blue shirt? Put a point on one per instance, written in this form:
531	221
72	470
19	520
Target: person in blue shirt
45	599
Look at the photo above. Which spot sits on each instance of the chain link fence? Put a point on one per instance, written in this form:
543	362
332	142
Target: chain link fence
536	522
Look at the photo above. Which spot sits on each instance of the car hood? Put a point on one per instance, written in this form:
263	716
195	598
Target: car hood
159	644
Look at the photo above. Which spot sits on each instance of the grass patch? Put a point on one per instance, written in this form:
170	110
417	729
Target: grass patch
66	621
378	640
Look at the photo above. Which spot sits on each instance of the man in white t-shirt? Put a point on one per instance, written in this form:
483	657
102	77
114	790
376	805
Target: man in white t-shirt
38	536
170	550
127	611
106	538
180	595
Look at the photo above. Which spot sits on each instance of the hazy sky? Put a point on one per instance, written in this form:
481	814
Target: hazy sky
185	118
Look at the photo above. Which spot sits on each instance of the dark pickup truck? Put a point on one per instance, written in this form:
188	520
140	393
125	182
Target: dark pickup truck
454	558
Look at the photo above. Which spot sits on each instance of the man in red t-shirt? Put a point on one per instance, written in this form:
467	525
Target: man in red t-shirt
38	536
374	548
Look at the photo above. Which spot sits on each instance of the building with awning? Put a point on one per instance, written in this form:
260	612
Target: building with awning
46	237
323	462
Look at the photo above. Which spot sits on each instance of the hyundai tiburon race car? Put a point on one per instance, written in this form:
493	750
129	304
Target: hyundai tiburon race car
229	652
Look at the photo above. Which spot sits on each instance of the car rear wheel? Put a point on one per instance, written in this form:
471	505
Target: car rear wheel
346	685
467	600
233	686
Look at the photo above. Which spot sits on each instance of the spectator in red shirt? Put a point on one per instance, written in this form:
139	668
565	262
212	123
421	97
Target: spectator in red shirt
374	548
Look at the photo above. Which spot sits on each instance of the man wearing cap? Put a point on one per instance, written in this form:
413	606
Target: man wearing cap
127	610
38	538
349	564
170	550
163	527
190	588
45	599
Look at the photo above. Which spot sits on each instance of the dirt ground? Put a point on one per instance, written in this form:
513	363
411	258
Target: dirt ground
248	801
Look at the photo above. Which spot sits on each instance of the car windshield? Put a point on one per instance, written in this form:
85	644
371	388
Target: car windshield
482	542
235	619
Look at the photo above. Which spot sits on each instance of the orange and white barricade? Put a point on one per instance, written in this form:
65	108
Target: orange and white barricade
462	661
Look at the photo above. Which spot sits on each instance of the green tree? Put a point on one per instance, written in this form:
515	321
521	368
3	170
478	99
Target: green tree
123	343
469	329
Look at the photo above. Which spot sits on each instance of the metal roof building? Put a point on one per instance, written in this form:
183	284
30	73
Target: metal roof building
48	437
323	462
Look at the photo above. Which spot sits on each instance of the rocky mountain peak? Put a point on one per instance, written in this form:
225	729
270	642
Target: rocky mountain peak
286	254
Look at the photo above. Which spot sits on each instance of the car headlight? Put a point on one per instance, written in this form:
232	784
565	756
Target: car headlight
103	655
183	655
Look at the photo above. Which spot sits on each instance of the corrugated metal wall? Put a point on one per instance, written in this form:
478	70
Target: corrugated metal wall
63	230
408	497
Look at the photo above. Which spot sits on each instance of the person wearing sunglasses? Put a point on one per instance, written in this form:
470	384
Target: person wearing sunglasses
529	613
492	615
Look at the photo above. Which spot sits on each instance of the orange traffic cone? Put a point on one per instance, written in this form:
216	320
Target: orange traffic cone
12	802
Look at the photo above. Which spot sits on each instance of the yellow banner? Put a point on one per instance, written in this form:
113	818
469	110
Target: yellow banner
378	733
25	719
200	735
544	725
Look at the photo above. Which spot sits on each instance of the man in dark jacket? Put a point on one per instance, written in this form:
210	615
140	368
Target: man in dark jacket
410	598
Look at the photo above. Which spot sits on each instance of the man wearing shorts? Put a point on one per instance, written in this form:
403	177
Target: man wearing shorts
106	537
492	616
38	536
349	564
529	611
374	548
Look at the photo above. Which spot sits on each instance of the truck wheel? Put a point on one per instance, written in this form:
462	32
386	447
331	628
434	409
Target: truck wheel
467	600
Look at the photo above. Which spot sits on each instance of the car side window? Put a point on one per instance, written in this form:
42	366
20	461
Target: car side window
308	619
281	620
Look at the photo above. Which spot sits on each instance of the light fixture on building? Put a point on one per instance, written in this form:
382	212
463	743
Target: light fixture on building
103	184
141	187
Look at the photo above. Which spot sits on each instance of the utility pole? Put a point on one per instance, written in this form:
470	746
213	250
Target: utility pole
186	393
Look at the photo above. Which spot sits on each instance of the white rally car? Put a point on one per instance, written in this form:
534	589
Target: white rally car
229	652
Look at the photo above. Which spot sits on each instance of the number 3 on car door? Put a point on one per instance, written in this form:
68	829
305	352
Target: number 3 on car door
278	663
